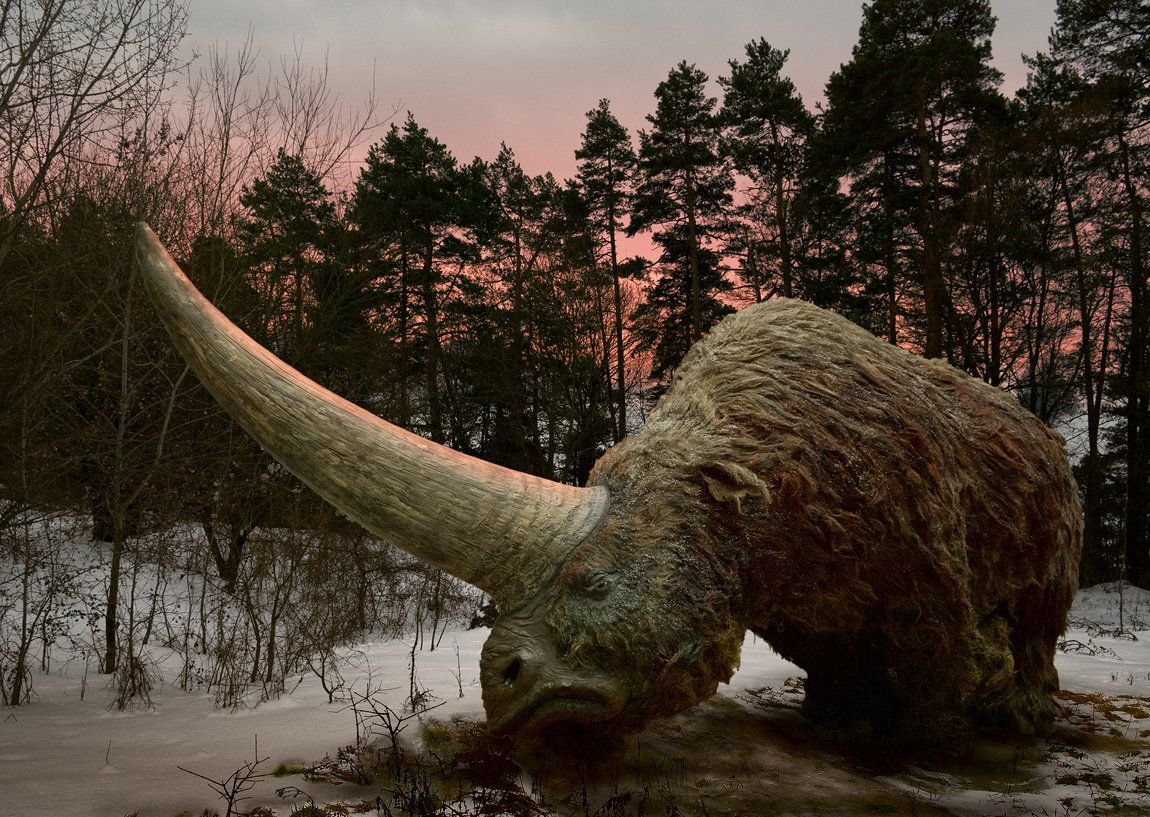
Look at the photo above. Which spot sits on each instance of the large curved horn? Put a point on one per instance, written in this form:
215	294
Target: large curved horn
499	529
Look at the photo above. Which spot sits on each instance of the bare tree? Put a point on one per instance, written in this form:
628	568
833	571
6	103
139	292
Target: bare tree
69	70
315	123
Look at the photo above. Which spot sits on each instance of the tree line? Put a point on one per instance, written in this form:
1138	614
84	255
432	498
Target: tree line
498	312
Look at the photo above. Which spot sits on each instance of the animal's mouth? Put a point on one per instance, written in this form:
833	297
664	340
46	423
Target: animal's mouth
553	706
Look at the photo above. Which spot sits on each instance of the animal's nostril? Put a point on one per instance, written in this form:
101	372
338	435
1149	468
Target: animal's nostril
512	672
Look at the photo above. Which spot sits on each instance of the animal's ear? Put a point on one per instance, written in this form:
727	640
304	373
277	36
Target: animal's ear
731	483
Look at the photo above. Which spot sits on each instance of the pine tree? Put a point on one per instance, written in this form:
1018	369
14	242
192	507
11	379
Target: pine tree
288	221
899	118
683	195
1107	44
294	288
572	349
661	323
512	238
606	170
767	126
413	202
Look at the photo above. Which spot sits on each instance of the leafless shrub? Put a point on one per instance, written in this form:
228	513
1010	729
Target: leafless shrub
42	598
133	683
234	788
1073	645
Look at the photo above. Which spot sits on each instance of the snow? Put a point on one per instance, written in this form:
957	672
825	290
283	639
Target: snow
65	756
745	751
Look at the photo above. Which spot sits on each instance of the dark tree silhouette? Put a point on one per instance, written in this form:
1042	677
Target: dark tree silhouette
899	118
683	196
606	170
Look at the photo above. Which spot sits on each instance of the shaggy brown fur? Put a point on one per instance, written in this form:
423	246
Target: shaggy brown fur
905	533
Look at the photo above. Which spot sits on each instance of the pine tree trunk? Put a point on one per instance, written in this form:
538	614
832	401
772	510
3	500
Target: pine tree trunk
785	262
431	323
1094	566
620	360
1137	397
933	286
693	249
890	256
403	418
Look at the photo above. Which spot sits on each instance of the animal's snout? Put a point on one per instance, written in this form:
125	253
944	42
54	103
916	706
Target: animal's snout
527	685
517	668
513	669
513	678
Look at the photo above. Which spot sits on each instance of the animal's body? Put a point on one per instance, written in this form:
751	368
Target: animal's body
905	533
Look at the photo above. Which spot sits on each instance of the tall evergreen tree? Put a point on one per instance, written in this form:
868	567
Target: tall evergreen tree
1061	149
606	170
767	126
661	322
298	294
1107	43
414	203
537	350
899	118
1011	317
572	350
511	234
285	230
683	195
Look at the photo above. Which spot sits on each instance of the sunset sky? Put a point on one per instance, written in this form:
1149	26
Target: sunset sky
527	71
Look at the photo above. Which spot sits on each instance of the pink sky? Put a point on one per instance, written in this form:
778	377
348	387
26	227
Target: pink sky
527	71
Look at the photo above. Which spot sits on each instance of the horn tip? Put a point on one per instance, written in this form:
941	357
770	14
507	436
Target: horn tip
144	234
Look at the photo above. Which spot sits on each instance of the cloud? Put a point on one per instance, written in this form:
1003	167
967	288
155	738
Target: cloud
477	72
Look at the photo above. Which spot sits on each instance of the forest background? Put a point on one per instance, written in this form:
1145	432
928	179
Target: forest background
525	319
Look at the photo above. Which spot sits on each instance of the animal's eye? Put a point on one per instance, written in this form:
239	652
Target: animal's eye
597	584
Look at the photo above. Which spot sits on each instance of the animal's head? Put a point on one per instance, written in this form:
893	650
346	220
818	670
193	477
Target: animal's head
614	604
638	622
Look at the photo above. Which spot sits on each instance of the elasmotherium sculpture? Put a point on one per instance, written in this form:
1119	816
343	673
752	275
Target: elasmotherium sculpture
905	533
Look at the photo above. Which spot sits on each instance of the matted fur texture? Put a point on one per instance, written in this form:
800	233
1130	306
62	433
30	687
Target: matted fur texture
904	532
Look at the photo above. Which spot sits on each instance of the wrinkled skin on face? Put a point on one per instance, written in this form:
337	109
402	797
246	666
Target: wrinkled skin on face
627	630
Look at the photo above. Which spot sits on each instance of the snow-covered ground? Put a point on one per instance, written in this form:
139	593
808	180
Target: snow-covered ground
746	751
64	756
